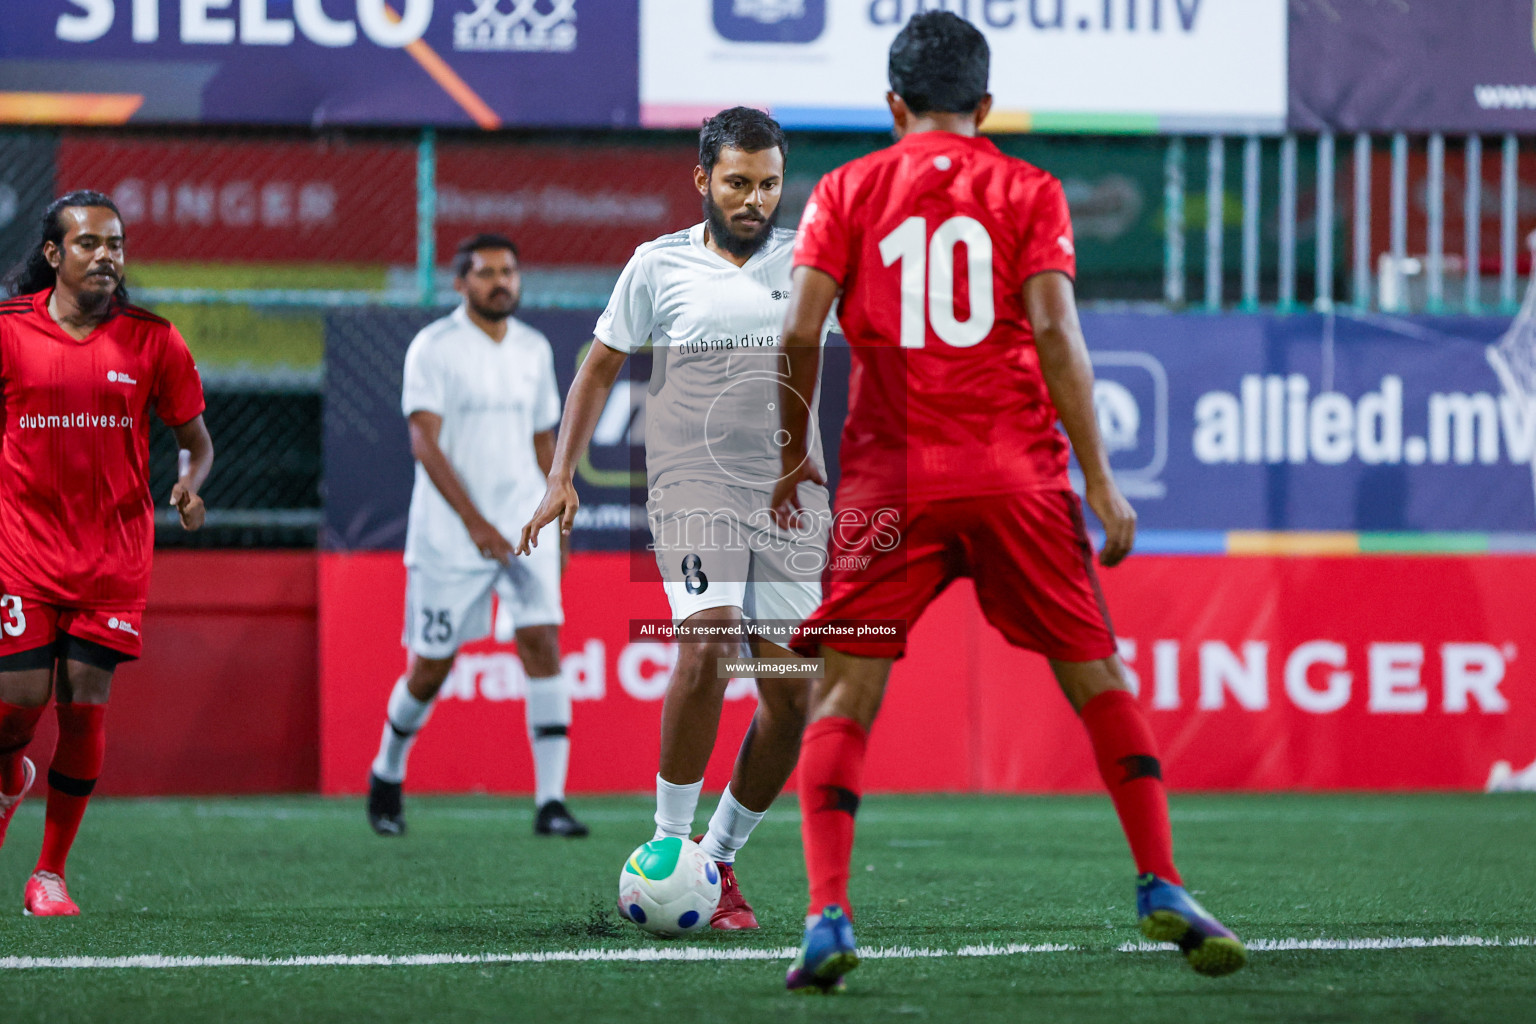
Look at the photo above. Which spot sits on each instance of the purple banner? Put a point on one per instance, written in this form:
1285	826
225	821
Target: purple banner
1413	66
452	63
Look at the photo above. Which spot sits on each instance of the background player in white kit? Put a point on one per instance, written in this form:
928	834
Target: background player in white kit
711	300
479	392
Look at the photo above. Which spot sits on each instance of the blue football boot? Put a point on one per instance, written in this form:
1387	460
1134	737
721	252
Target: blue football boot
1169	914
826	954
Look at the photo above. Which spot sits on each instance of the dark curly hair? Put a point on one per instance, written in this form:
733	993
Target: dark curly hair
939	64
742	128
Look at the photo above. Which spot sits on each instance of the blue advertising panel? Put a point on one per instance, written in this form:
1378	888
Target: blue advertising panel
1337	423
1364	424
485	63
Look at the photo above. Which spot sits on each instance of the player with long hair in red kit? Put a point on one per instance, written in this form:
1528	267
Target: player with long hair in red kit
81	371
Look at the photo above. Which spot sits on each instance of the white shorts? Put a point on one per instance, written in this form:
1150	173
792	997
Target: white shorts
717	546
446	610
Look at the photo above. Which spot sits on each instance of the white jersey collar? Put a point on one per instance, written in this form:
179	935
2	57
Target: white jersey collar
696	236
460	318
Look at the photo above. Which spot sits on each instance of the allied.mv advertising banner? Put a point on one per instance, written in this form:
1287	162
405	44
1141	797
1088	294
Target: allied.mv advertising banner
1179	65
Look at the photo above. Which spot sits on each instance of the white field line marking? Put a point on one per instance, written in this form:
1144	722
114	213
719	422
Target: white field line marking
695	953
1291	945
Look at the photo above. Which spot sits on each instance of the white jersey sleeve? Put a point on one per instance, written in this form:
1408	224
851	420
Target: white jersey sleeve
546	402
424	382
629	319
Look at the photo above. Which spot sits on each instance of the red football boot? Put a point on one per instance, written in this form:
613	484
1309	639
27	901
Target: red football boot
733	913
47	897
9	801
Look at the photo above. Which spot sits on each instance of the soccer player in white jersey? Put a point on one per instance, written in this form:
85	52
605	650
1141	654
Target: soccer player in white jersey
710	300
480	396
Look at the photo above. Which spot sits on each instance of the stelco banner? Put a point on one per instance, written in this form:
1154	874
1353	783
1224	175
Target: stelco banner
485	63
1382	673
1415	67
1177	65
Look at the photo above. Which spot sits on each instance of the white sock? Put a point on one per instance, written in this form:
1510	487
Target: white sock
1526	777
549	724
404	717
729	828
675	806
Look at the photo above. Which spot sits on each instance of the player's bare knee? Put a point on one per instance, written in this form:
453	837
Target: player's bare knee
855	697
427	676
1081	681
784	703
714	654
698	664
79	683
29	689
539	649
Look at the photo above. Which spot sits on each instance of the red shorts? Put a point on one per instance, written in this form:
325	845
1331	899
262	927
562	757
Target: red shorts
28	625
1028	554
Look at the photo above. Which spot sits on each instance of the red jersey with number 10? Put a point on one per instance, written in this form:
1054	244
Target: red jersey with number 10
932	240
76	516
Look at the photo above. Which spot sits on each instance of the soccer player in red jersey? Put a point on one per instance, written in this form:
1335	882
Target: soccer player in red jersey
80	372
955	267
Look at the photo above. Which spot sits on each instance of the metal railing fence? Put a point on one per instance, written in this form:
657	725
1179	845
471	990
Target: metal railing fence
1392	200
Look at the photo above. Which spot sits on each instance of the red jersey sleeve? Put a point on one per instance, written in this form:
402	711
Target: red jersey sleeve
822	241
178	388
1048	241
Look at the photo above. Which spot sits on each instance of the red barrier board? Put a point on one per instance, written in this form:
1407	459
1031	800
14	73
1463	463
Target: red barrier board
1376	673
565	205
476	739
1258	673
244	201
223	700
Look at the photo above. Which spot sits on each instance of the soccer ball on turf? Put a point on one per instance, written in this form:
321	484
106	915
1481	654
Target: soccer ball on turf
669	887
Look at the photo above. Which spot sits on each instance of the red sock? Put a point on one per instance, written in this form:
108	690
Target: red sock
831	781
17	724
1127	755
71	777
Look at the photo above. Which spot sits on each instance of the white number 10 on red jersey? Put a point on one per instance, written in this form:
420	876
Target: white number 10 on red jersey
928	280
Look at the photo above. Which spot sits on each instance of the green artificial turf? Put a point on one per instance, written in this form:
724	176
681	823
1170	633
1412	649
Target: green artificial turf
274	878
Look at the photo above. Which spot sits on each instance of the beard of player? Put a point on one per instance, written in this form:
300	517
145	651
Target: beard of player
93	285
498	305
95	303
721	231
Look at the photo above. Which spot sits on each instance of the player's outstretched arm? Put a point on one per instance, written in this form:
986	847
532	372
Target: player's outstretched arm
195	455
1052	310
810	301
544	451
583	407
425	427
